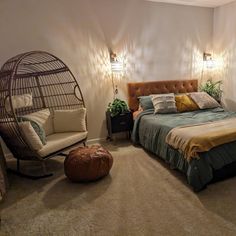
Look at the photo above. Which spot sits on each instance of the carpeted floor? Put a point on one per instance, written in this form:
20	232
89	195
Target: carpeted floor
141	196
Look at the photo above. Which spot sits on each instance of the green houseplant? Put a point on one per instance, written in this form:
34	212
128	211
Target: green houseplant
117	107
212	88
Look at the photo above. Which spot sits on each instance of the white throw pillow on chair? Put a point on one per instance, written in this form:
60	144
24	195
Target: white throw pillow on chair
70	120
30	135
43	118
19	101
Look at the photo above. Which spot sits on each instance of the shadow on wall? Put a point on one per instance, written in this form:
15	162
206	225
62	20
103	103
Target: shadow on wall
158	52
152	47
227	73
225	47
157	42
83	48
230	104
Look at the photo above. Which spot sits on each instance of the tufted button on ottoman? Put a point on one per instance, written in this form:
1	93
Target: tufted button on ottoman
88	163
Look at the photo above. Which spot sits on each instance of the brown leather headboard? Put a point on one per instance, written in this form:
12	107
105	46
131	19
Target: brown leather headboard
168	86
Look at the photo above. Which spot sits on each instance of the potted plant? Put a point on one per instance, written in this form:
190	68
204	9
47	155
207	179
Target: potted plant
117	107
212	88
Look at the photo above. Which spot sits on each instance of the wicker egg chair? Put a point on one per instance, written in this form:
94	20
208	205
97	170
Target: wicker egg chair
51	85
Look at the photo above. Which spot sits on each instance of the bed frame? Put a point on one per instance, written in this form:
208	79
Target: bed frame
137	89
156	87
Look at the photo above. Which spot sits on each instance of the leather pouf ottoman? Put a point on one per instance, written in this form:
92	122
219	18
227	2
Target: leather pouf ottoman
88	163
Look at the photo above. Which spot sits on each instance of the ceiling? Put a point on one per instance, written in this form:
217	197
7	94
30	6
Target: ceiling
202	3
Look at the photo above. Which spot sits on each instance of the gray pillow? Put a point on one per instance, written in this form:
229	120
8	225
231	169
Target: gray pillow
164	103
146	102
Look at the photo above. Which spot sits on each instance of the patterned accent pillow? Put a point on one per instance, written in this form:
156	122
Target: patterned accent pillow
185	103
37	128
30	135
204	100
164	103
43	118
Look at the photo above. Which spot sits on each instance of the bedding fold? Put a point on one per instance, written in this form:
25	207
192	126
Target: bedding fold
150	132
191	140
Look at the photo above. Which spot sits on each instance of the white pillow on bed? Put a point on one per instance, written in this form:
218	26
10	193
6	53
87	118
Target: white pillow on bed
204	100
164	103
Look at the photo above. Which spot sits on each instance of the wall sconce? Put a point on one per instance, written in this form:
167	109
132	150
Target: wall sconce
208	61
116	67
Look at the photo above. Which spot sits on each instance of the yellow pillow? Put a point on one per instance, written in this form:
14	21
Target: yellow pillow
185	103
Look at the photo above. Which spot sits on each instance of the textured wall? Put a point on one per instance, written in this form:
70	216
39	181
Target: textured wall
156	41
225	47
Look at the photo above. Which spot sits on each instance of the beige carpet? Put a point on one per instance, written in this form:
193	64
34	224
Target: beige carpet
141	196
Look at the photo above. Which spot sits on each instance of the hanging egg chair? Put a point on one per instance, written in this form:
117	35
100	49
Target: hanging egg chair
42	110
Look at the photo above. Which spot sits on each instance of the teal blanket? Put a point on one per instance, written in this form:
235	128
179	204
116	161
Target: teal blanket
150	131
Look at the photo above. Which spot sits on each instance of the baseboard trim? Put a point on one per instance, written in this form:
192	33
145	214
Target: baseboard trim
95	140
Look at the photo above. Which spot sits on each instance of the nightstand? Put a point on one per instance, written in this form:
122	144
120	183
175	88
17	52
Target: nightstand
119	123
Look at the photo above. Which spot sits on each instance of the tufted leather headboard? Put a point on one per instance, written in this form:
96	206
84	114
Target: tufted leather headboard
168	86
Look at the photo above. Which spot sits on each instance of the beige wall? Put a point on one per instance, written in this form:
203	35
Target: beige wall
157	42
225	47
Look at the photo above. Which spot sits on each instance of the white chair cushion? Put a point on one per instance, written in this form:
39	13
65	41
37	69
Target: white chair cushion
59	141
19	101
30	135
43	118
69	120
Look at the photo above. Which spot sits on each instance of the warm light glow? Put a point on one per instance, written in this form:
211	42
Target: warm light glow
210	64
116	63
219	62
116	66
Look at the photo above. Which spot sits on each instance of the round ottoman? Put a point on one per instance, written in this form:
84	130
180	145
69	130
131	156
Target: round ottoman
88	163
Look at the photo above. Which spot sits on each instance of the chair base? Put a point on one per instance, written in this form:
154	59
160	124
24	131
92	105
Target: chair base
33	177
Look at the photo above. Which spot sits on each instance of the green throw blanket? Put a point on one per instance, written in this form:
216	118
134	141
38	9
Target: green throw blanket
151	130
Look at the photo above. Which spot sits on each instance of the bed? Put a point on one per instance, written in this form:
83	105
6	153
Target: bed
150	132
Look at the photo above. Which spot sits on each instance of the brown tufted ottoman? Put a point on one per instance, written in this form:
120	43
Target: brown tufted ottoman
88	163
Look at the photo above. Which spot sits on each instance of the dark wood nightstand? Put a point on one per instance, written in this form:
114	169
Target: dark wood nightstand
119	123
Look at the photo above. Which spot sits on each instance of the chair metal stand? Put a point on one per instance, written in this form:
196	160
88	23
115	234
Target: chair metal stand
34	177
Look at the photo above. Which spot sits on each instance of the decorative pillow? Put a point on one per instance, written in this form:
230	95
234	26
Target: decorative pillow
30	135
204	100
146	102
164	103
37	128
185	103
70	120
43	118
19	101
